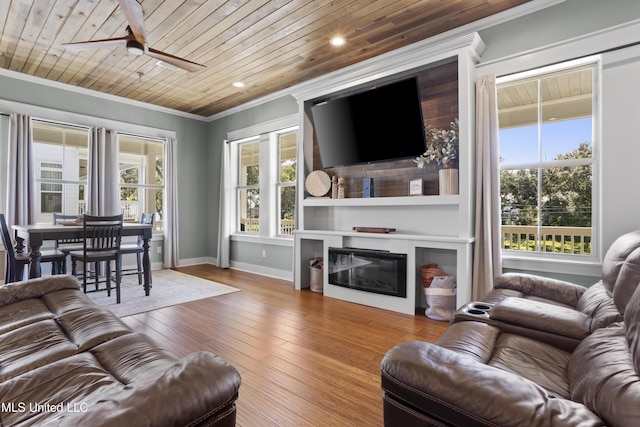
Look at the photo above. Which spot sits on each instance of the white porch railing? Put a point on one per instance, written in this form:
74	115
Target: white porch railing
253	226
573	240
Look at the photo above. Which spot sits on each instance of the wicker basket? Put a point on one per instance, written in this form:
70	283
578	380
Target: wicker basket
428	272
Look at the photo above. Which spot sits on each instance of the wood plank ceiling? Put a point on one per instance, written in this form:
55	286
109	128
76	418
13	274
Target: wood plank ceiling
269	45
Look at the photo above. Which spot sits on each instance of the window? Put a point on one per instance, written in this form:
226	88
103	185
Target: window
265	183
547	166
50	191
60	153
287	149
141	168
248	190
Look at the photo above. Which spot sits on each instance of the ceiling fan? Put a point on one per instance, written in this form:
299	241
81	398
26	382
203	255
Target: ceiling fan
135	41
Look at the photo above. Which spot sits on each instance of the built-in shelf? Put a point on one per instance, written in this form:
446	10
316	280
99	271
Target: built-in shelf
384	201
410	237
429	228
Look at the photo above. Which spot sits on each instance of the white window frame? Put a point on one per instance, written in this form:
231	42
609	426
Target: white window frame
142	167
554	261
50	166
66	169
269	191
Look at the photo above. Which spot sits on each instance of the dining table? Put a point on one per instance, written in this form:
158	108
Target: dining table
35	234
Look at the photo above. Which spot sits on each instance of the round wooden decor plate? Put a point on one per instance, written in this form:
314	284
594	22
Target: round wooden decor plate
318	183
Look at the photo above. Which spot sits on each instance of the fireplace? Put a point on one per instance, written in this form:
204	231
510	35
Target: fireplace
381	272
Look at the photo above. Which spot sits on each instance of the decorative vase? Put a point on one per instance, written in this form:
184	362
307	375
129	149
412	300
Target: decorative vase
448	180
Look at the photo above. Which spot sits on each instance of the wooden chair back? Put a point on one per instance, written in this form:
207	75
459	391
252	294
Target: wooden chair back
102	234
12	274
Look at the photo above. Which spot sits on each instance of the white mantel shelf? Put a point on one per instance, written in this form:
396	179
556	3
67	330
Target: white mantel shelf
408	237
384	201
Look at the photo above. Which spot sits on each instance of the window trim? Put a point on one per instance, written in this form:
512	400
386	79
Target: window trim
142	172
268	153
560	262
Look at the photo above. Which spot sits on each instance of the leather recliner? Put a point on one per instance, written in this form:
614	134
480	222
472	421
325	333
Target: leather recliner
478	375
559	312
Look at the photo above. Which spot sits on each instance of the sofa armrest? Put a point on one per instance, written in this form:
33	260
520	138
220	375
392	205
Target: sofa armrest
540	316
196	389
35	288
543	287
460	390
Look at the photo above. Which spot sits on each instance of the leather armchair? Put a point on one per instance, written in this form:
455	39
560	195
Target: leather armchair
559	312
479	375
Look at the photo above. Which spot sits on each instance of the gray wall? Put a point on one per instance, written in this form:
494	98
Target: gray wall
191	135
279	258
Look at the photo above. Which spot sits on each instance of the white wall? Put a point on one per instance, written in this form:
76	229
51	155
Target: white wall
619	141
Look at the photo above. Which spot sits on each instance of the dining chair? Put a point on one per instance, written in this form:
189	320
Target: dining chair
102	238
16	262
69	244
137	248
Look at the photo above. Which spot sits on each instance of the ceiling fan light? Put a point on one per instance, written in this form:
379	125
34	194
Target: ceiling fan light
134	47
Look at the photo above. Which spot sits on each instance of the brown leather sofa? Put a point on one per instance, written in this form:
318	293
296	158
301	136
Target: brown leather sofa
558	312
478	375
66	361
556	354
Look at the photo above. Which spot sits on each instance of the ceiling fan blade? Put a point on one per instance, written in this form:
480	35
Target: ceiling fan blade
95	44
133	13
174	60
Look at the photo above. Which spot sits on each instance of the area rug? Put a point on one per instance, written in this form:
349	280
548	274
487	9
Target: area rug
169	288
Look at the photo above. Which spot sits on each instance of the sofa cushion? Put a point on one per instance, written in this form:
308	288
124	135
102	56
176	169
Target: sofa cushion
622	251
541	363
16	291
33	346
438	386
77	380
541	316
604	379
632	322
22	313
541	288
597	303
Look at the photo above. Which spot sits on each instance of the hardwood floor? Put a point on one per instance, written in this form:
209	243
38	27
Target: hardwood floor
305	360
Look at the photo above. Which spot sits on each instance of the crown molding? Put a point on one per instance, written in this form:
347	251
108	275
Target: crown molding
94	93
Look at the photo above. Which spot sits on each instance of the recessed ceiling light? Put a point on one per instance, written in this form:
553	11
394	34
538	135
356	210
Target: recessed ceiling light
238	84
337	41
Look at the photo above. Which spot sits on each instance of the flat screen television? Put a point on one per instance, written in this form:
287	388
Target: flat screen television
383	123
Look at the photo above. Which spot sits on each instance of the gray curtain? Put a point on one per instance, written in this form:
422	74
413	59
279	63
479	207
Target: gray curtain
224	221
21	179
487	262
104	179
170	220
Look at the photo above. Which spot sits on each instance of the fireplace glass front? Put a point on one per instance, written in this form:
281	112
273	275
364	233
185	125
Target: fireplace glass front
369	270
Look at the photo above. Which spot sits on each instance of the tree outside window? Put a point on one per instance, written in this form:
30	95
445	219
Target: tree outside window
141	168
265	183
546	151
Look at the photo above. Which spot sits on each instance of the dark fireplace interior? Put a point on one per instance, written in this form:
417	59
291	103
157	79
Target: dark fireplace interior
369	270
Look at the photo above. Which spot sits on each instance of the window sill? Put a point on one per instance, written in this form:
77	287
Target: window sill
572	265
254	238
